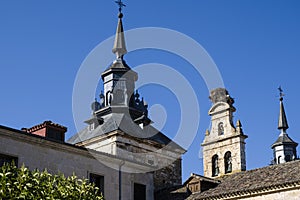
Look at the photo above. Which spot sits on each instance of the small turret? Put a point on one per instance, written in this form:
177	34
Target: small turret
284	148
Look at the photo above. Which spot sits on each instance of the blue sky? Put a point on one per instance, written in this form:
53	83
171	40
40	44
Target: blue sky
255	45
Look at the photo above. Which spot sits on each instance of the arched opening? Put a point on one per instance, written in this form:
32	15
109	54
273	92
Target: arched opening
215	167
221	128
279	160
228	162
108	98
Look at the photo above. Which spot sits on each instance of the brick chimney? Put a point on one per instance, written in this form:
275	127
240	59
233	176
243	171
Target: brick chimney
49	130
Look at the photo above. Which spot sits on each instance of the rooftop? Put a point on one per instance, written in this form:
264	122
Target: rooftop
259	180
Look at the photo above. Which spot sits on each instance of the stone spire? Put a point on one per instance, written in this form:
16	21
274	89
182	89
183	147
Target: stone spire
119	46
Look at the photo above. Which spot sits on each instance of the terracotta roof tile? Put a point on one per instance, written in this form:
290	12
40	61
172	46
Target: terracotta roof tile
42	125
253	180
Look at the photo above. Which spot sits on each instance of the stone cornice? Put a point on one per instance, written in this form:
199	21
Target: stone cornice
224	139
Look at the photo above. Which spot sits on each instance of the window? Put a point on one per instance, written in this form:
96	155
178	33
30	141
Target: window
8	159
139	191
288	158
228	162
221	128
215	165
98	180
108	98
279	159
55	135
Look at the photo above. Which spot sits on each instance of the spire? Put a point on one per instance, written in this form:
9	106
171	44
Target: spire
282	121
119	46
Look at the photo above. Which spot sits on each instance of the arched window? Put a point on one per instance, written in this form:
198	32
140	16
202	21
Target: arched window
279	160
228	162
220	128
215	165
108	98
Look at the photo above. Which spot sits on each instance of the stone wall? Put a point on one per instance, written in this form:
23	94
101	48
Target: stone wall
235	145
38	153
168	176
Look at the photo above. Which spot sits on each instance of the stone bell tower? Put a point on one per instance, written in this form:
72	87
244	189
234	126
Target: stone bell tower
224	143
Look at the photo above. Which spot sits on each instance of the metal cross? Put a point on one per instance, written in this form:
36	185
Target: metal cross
280	92
121	5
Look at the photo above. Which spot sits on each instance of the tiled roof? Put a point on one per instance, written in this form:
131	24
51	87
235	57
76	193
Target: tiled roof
200	177
174	193
263	179
43	125
118	121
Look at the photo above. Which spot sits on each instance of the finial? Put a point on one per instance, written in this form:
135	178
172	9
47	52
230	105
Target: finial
238	123
102	99
239	129
95	105
207	132
121	5
280	93
101	95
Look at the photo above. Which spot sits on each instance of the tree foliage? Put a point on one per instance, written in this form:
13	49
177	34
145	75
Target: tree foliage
21	183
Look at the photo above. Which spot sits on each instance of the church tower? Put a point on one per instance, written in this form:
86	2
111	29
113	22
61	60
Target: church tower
224	144
284	149
119	85
119	125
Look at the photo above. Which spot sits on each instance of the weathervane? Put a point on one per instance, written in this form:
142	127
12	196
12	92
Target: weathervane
121	5
280	93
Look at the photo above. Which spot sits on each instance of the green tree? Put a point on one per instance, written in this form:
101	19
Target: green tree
21	183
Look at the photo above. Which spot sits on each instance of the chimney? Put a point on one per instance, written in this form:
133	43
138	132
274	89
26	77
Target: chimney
49	130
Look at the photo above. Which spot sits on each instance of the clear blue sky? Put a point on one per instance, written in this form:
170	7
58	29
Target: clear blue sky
255	45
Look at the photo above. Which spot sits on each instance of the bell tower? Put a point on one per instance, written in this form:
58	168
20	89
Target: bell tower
224	144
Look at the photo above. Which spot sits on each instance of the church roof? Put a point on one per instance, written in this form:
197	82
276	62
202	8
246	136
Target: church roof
264	179
119	66
284	139
119	121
